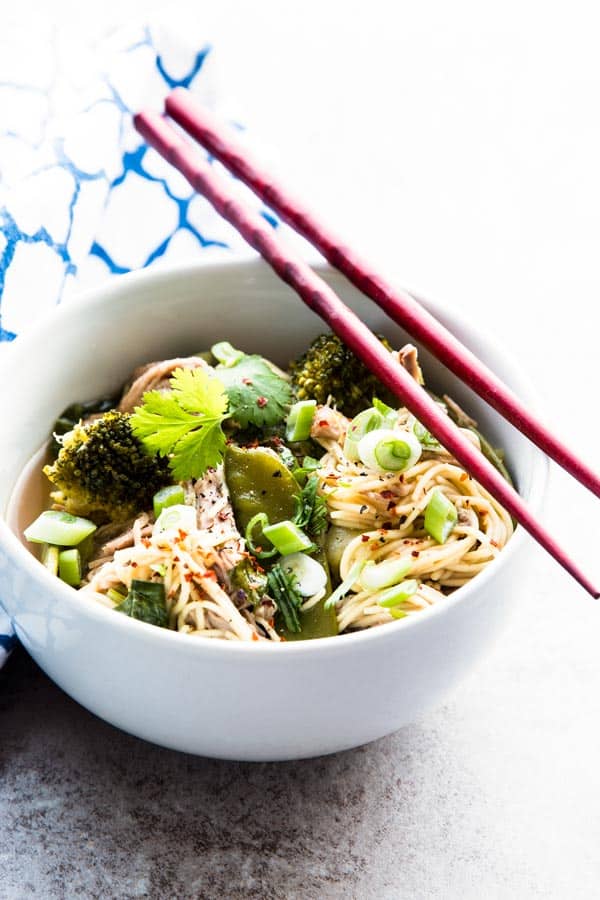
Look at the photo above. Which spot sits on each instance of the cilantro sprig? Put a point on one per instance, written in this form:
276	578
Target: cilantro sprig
186	423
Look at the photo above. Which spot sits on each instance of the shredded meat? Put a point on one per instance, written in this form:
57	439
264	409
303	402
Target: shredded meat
155	376
108	543
328	424
408	357
215	514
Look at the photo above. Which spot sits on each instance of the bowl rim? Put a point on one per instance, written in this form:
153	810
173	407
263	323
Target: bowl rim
106	293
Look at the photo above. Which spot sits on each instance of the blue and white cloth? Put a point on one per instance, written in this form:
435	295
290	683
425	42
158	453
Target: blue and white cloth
81	197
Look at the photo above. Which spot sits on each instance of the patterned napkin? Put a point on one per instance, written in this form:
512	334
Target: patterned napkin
81	198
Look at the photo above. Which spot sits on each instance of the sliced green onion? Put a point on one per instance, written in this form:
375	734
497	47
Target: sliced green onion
287	537
225	354
393	596
346	584
440	516
390	415
173	495
310	575
397	613
260	519
386	450
425	437
61	528
376	576
300	419
69	566
366	421
115	595
179	517
49	558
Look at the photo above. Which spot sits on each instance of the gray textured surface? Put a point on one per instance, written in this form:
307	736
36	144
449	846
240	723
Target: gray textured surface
496	794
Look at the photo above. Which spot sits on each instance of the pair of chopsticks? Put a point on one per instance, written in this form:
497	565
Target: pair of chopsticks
318	296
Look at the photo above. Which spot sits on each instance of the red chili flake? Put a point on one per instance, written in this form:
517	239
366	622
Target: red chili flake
222	515
414	553
387	494
182	534
464	476
322	423
188	576
175	559
494	543
261	401
365	538
134	565
246	381
210	574
146	542
255	636
271	622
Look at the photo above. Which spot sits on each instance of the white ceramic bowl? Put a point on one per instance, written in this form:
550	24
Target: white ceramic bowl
236	701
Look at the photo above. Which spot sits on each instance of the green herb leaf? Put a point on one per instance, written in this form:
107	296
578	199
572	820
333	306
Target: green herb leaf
197	451
197	392
282	588
161	422
185	424
257	395
311	511
146	602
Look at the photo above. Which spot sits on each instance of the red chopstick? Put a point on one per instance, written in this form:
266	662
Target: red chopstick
321	298
401	307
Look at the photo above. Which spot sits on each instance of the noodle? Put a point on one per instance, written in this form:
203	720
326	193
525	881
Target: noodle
378	513
388	510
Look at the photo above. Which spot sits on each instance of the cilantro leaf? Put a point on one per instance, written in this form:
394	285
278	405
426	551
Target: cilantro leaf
257	395
185	424
198	394
146	602
161	422
197	451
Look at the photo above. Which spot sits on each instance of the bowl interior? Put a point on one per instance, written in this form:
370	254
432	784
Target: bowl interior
86	350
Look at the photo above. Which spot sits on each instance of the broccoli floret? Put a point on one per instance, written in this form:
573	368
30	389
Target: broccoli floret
102	471
330	369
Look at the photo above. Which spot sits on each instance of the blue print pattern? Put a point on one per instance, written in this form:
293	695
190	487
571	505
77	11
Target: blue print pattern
81	197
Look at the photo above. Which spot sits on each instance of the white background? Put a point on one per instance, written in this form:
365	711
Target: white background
458	145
